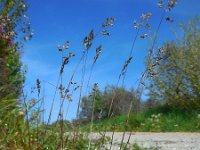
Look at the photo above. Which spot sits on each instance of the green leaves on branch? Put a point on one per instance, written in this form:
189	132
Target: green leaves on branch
177	69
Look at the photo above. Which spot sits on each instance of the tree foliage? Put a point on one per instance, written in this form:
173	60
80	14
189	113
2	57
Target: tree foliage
14	29
177	79
122	99
87	106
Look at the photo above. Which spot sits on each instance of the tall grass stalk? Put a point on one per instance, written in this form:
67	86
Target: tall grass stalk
27	119
92	117
142	81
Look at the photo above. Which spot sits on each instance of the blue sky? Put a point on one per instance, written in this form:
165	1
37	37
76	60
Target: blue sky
56	21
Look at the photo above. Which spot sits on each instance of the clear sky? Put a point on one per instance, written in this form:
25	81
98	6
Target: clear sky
56	21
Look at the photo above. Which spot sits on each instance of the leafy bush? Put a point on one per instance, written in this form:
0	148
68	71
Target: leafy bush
13	25
103	100
177	80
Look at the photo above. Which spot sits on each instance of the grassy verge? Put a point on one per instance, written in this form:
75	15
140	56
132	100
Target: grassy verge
160	119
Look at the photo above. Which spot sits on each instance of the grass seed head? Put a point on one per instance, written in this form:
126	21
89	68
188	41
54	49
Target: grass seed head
105	32
169	19
160	4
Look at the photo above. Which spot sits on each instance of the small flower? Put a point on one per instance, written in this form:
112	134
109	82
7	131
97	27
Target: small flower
198	116
150	119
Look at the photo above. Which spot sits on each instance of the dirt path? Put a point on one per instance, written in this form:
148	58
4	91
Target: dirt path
162	141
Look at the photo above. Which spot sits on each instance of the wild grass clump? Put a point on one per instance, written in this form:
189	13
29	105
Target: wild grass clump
22	123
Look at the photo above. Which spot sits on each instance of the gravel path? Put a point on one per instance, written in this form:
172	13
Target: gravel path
162	141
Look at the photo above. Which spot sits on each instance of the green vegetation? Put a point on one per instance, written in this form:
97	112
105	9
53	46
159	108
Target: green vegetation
14	29
103	99
159	119
137	147
174	90
177	71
